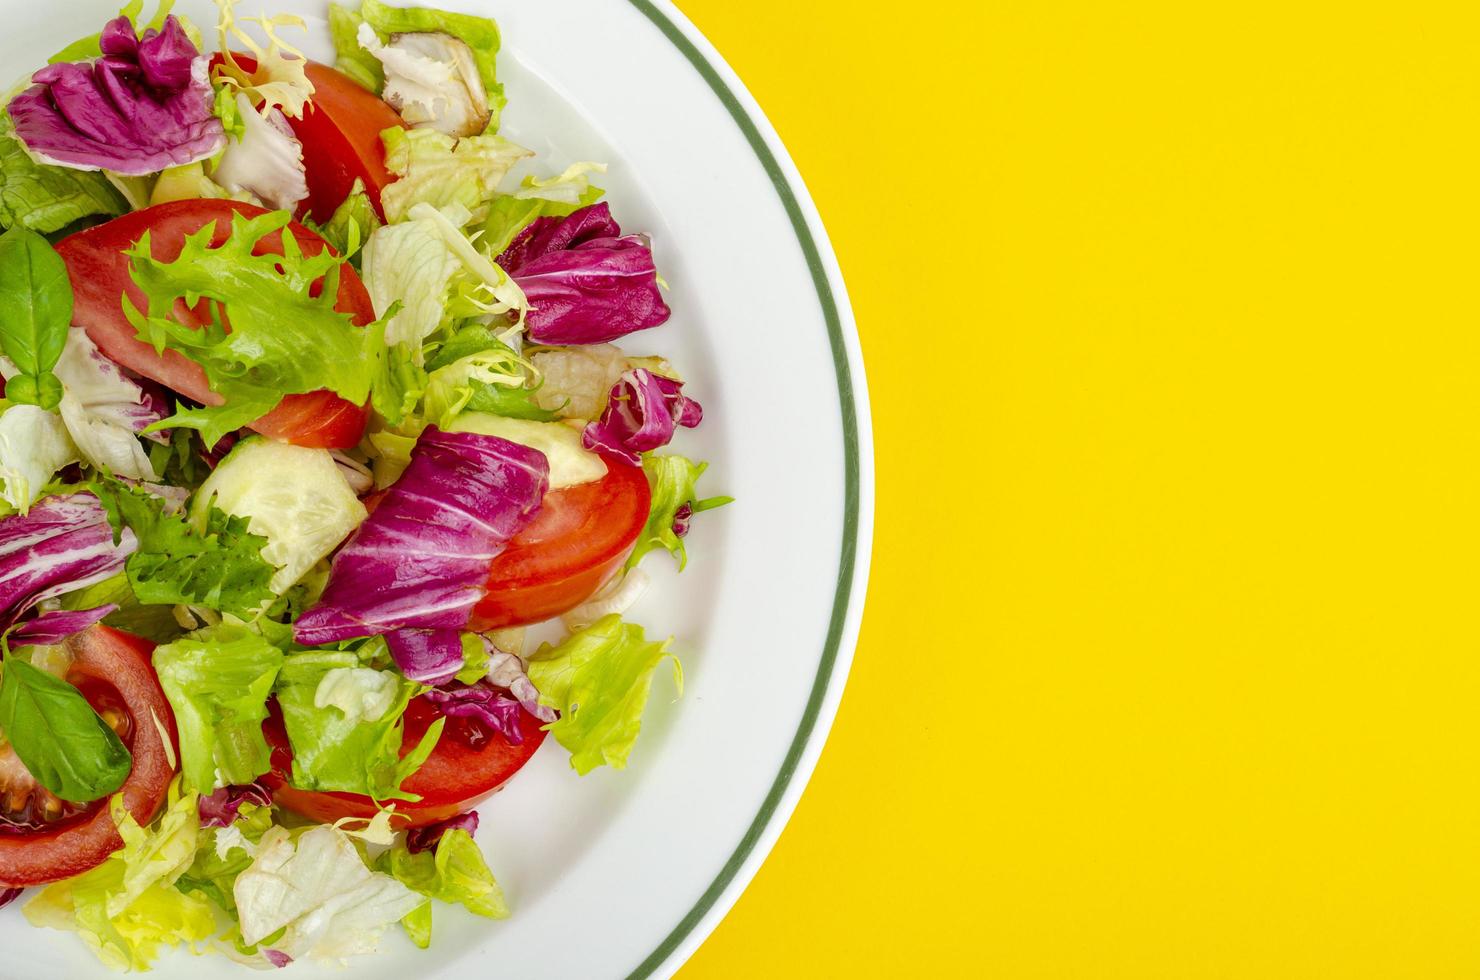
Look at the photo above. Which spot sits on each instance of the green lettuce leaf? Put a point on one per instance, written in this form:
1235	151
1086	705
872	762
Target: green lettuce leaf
218	681
360	65
438	170
46	198
351	224
283	340
344	723
456	873
672	480
599	680
221	569
128	907
480	34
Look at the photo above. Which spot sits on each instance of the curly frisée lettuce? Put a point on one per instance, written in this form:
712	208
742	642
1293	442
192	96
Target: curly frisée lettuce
218	566
283	339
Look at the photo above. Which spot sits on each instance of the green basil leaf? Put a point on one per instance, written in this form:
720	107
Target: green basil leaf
35	311
58	736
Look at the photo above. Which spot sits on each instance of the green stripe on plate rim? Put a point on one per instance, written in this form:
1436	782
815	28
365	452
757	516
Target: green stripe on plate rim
843	593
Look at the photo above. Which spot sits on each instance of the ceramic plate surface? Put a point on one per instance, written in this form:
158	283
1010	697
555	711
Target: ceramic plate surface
623	873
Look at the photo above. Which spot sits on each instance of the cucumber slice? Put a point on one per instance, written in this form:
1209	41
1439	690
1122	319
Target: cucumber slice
294	497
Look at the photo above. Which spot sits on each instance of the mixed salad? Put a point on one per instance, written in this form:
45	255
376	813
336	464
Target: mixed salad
310	408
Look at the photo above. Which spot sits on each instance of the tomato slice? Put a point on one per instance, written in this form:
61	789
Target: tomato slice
340	132
468	765
99	271
578	540
112	670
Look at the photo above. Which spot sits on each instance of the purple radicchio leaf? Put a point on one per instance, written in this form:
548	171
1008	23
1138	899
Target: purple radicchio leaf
507	670
51	628
426	838
221	808
63	544
482	703
427	656
586	282
8	895
421	560
682	518
642	413
278	958
145	105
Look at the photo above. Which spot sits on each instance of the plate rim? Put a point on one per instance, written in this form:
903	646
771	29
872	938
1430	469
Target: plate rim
843	623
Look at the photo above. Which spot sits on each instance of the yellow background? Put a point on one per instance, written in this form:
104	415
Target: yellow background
1169	664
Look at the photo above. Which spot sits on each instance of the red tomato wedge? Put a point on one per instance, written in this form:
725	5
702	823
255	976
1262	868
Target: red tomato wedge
468	765
579	538
99	271
43	839
340	132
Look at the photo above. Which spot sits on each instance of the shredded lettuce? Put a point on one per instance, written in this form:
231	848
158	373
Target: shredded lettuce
128	907
425	275
217	682
439	170
599	680
348	751
314	896
554	197
456	873
475	371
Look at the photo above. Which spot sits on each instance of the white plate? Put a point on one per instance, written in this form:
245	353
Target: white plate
622	874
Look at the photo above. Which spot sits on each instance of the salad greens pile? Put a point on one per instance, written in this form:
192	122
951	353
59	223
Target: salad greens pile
276	419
